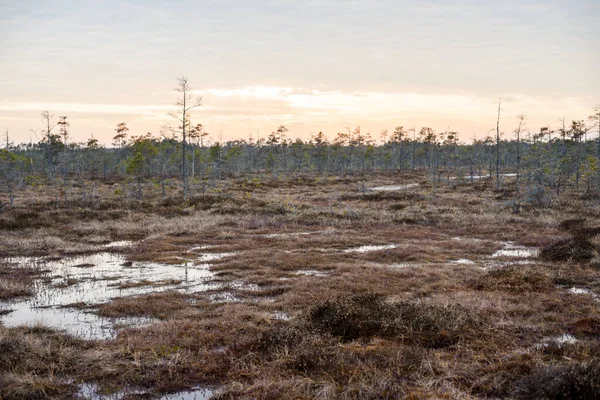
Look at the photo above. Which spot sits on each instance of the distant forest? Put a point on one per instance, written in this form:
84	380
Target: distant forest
548	160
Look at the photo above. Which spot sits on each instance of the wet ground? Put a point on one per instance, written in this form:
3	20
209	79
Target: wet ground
92	392
64	295
412	185
67	294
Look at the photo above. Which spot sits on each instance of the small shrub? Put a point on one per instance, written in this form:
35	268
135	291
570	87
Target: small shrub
513	280
354	317
367	316
23	219
587	327
571	381
571	225
578	249
537	197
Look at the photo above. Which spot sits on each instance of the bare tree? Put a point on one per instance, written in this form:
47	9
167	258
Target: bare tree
64	129
186	102
518	131
50	139
498	147
7	139
595	119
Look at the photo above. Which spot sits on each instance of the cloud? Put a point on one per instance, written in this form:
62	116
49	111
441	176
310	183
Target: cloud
128	109
238	110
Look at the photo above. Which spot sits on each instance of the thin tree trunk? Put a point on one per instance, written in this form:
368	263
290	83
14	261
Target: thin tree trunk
498	148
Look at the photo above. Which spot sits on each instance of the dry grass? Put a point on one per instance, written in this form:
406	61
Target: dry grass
403	322
17	281
158	305
512	279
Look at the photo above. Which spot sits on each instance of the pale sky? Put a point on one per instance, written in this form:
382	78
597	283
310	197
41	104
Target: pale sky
310	65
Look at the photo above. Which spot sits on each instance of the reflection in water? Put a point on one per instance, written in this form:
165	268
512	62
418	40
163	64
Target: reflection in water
575	290
311	272
557	340
393	188
68	285
91	391
463	261
515	251
196	394
119	244
365	249
281	316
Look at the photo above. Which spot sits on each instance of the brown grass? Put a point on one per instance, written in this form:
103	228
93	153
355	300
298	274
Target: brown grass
17	281
396	323
522	280
158	305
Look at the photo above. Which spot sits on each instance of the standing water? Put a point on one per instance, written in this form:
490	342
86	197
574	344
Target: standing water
73	284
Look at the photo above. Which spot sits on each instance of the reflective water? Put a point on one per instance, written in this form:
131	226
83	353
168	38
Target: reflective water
244	286
311	272
286	235
281	316
99	278
206	257
582	291
516	251
224	297
463	261
393	188
119	244
195	394
405	265
557	340
470	240
91	391
467	177
365	249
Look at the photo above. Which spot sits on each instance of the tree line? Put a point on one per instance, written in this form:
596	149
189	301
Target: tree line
554	160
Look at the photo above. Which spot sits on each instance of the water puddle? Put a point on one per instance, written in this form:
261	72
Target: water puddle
200	248
293	234
281	316
120	244
582	291
207	257
393	188
557	340
194	394
24	262
243	286
224	297
365	249
286	235
463	261
91	391
468	239
468	177
403	265
503	264
63	294
515	251
311	272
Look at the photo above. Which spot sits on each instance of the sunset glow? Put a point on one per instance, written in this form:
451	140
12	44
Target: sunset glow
312	66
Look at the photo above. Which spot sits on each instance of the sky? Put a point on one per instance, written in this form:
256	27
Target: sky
311	65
